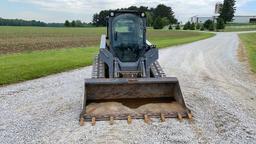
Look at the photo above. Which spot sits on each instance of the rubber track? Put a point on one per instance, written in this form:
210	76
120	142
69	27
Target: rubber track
98	70
157	70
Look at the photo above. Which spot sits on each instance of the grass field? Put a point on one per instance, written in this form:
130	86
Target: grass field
167	38
240	27
20	39
31	52
249	40
20	67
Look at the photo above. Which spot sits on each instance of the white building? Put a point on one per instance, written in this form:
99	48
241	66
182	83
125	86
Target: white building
244	19
236	19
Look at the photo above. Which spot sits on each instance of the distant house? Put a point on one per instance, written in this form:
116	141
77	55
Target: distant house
236	19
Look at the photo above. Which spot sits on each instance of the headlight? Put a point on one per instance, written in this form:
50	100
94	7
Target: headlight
142	14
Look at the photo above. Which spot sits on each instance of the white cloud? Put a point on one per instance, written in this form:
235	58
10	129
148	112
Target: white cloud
86	8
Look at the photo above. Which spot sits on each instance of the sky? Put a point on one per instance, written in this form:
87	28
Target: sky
61	10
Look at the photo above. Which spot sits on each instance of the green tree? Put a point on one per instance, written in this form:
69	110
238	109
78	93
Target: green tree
187	26
211	27
101	18
177	26
202	28
220	24
95	19
228	10
165	21
140	9
67	23
164	11
73	23
207	24
197	26
132	8
79	23
158	23
149	19
102	21
192	26
170	27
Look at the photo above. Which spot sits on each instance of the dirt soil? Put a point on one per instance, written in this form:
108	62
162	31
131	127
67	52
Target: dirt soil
217	86
26	44
117	109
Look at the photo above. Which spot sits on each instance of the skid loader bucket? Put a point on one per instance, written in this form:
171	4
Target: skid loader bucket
126	99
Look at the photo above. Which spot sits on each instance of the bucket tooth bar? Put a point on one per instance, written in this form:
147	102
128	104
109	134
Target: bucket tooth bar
146	117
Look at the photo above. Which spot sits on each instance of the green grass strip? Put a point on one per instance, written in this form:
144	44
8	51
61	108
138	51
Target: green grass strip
249	41
26	66
163	43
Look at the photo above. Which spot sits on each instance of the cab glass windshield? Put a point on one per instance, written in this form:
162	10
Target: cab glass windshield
127	34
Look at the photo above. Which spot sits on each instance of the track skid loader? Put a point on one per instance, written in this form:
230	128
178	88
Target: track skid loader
127	81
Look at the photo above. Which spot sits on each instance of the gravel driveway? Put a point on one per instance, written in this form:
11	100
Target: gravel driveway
215	79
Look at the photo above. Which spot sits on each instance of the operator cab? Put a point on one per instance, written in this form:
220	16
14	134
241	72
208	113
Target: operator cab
127	34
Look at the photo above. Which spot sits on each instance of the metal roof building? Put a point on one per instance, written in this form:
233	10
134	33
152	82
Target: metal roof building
236	19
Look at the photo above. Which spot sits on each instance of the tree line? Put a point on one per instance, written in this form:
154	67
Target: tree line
157	17
207	25
76	23
20	22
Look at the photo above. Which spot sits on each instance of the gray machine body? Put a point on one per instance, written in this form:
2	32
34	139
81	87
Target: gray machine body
143	51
